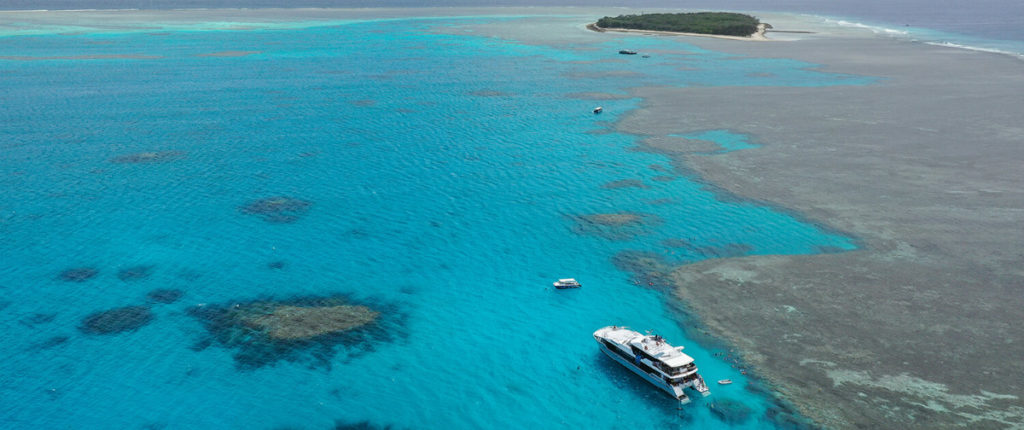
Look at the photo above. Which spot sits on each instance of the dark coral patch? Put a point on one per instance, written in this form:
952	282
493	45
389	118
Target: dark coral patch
148	157
230	54
614	226
490	93
117	320
730	411
278	210
661	202
676	243
165	295
786	419
828	249
649	269
724	251
189	275
625	183
134	273
78	274
52	342
311	330
361	425
727	250
37	319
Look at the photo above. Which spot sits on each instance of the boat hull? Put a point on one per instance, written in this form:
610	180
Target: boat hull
673	390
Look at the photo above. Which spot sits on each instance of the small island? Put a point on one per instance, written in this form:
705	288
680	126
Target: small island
701	23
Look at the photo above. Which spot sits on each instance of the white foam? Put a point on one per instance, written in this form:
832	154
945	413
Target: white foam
930	37
975	48
873	28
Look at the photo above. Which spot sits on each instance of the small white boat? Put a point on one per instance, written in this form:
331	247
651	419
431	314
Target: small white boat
724	381
598	109
653	359
562	284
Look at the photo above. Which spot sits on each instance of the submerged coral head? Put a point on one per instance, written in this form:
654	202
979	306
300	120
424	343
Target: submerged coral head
134	273
78	274
305	322
279	209
117	320
302	329
165	295
148	157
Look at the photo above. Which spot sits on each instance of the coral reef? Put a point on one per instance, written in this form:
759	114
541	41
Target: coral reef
625	183
724	251
306	322
613	226
361	425
165	295
727	250
78	274
38	318
730	411
279	210
148	157
134	273
52	342
304	329
490	93
117	320
676	243
649	269
786	419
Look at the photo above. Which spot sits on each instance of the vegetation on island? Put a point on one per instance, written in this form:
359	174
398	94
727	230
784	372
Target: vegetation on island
718	23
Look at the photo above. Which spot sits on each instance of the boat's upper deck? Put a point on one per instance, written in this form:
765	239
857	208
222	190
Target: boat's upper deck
654	346
662	351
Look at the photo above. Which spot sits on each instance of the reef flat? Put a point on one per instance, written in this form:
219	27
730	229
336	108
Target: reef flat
923	168
300	329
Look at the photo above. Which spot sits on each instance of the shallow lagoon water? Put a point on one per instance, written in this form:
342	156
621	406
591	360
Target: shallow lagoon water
442	176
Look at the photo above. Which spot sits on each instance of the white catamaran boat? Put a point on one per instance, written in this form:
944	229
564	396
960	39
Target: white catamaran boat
652	358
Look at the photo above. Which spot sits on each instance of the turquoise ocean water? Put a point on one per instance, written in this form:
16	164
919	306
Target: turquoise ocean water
448	179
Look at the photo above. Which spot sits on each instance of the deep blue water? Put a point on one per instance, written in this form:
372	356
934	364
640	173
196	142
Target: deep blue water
446	180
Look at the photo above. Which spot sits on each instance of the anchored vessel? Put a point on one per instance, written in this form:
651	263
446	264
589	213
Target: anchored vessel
652	358
562	284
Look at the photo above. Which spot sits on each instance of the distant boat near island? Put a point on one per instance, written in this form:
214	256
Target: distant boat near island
627	52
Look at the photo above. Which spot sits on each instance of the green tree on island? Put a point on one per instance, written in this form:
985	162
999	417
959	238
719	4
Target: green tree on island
718	23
